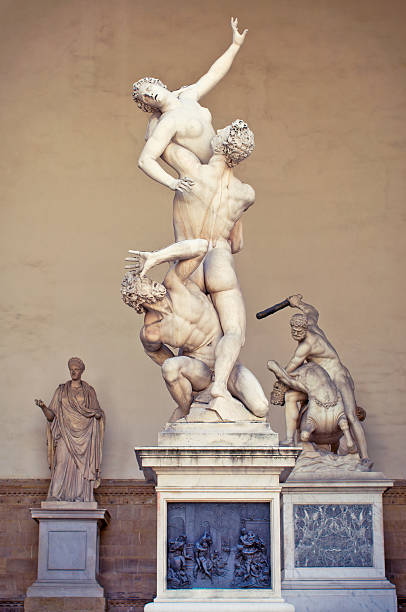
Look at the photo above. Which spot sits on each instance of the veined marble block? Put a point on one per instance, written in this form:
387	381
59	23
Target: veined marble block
68	556
218	540
333	553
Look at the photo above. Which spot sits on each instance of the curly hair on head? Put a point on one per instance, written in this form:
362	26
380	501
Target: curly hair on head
299	320
147	108
238	144
137	290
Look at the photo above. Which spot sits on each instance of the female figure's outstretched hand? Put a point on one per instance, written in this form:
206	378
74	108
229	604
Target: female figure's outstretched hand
238	38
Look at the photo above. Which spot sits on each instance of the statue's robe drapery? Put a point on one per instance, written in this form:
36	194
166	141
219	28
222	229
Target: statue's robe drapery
75	442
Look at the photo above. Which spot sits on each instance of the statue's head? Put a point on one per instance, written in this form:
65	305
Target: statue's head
250	537
137	291
299	326
76	368
235	142
148	93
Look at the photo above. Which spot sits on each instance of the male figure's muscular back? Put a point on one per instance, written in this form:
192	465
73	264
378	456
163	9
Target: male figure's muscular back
214	205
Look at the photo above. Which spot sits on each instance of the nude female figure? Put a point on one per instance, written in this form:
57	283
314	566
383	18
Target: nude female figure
178	116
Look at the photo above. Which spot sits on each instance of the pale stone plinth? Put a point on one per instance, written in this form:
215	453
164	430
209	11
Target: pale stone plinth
218	434
68	556
333	545
217	474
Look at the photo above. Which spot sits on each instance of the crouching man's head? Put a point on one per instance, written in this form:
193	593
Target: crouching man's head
137	292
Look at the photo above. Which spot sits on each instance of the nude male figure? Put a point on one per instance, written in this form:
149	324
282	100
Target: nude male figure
179	314
313	346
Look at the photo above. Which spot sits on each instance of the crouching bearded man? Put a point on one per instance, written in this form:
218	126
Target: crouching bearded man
179	314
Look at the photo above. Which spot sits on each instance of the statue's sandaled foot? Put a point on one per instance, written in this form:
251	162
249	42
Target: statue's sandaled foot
366	464
352	449
178	414
288	442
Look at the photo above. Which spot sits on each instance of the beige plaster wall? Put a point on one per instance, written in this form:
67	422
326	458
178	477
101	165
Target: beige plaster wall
322	84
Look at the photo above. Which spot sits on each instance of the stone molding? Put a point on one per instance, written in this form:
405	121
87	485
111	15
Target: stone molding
109	487
396	494
113	603
128	487
125	602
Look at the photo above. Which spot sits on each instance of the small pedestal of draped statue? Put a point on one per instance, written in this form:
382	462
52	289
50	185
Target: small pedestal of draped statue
69	520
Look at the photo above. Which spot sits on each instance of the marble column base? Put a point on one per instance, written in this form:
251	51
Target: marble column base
65	604
68	556
219	606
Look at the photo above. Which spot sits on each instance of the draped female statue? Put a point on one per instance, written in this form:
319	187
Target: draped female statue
75	438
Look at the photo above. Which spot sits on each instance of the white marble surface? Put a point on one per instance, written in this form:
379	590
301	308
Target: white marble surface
336	588
342	600
217	474
350	492
218	434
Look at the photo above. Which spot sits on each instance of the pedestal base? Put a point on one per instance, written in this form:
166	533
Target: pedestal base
220	606
343	599
218	540
333	546
68	556
218	434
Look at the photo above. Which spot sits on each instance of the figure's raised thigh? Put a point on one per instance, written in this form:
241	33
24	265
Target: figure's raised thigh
197	372
243	385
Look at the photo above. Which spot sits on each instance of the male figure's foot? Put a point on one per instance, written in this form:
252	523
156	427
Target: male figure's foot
288	442
367	464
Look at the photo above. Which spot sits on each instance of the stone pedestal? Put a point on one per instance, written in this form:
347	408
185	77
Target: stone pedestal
213	501
333	555
68	557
